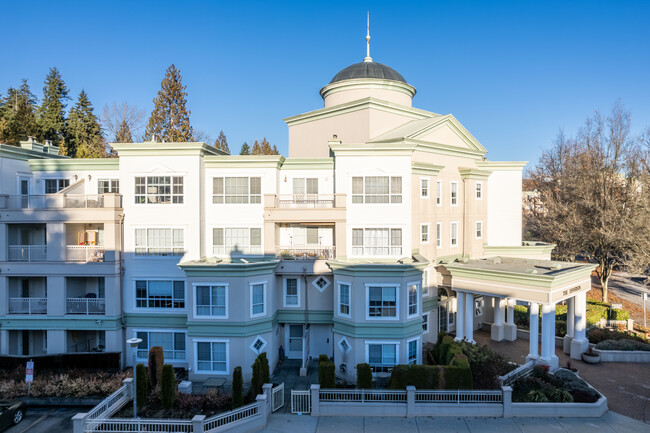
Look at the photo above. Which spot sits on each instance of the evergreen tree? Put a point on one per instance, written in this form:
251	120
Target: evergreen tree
124	133
83	132
222	143
170	118
266	147
275	150
51	113
17	118
245	149
257	150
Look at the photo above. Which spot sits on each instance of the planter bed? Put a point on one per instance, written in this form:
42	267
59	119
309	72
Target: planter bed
623	355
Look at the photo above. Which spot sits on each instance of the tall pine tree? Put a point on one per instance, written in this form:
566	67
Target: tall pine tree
245	149
222	143
51	113
124	133
17	118
257	150
83	132
170	118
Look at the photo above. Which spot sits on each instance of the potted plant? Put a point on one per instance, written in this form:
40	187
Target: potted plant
571	368
591	357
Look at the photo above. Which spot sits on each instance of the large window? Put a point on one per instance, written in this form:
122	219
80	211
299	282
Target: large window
52	186
454	193
159	189
382	357
258	299
173	344
291	292
239	190
212	300
344	299
376	189
382	301
159	294
424	188
438	235
212	356
305	187
453	234
159	242
413	299
377	242
413	352
227	241
108	185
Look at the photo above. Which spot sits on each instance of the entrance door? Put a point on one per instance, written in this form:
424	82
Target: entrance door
295	341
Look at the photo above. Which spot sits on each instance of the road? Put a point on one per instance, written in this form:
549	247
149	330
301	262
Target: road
627	288
46	420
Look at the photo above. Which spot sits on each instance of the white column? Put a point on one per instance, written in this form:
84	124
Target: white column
460	316
548	337
510	329
511	311
533	350
469	317
570	319
580	343
4	342
498	311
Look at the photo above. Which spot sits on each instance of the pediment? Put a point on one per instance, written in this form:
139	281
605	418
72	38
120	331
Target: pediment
448	131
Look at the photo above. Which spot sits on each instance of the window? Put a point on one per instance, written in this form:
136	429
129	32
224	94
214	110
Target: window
173	344
212	300
344	299
454	234
382	357
382	301
108	185
212	356
479	230
321	283
236	190
376	189
159	242
52	186
479	306
291	294
302	236
454	193
479	191
424	188
424	233
258	345
159	294
425	323
425	282
377	242
344	345
413	299
305	187
233	241
439	193
439	235
413	352
258	299
159	189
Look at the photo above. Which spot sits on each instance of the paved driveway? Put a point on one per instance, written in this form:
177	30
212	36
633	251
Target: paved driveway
46	420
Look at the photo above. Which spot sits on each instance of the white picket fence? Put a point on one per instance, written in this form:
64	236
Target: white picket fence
300	401
277	397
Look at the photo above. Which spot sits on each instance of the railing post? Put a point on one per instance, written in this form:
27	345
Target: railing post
264	407
198	424
507	401
410	401
267	390
315	400
129	386
78	422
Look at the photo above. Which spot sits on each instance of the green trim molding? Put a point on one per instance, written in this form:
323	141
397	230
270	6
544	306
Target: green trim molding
526	248
110	323
474	174
155	320
412	328
214	267
430	302
74	164
393	269
299	316
502	165
244	161
213	328
308	164
21	154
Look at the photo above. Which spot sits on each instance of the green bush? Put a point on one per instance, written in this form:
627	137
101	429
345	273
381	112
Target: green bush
486	365
142	385
452	350
237	388
167	386
441	335
399	377
616	314
627	345
266	374
420	376
560	312
522	316
561	396
596	335
364	376
256	380
323	358
536	397
156	362
560	328
596	311
326	377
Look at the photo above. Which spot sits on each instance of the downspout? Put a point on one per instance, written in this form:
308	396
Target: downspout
304	278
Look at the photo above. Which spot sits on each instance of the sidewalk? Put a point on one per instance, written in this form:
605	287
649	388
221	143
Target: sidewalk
609	423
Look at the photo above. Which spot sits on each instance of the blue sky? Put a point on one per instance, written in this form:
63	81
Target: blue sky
513	72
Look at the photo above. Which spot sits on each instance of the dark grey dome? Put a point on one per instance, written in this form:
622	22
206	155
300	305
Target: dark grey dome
368	70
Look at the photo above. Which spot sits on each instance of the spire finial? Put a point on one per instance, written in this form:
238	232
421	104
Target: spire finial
368	58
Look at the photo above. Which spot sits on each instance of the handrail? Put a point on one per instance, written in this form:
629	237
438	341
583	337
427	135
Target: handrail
86	306
297	253
24	305
27	253
241	413
85	253
52	201
305	200
519	372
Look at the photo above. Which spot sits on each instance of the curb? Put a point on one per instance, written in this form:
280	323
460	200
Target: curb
60	401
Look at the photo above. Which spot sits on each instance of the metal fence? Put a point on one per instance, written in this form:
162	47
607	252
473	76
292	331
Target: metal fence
27	253
86	306
27	305
107	407
362	395
117	425
84	253
519	372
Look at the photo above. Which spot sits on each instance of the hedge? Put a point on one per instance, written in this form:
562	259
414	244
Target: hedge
364	376
142	384
167	386
595	311
237	388
455	376
627	345
326	377
616	314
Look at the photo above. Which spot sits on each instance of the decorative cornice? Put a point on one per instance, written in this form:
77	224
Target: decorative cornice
15	152
244	161
473	173
502	165
216	267
74	164
425	169
308	164
367	83
150	148
525	249
387	149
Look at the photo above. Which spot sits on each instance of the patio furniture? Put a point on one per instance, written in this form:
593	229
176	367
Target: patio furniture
215	382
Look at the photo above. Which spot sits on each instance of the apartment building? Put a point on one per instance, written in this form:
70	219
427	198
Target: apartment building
384	225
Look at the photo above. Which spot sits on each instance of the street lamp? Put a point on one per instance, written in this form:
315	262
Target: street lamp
134	342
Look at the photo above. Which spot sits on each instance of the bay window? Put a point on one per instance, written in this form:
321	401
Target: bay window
344	299
258	299
382	357
413	299
382	301
413	352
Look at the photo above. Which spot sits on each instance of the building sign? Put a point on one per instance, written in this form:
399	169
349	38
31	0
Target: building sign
29	372
617	306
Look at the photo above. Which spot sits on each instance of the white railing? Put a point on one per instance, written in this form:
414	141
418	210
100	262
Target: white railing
277	397
305	200
53	201
85	253
244	412
123	425
519	372
107	407
362	395
237	250
300	401
27	253
293	253
27	305
458	396
86	306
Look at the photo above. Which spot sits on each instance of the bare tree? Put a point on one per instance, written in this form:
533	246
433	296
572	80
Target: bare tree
595	197
202	136
119	118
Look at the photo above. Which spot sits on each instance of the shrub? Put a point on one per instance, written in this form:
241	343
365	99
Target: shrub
540	371
616	314
457	374
452	350
326	376
256	381
596	335
364	376
486	365
522	316
399	377
561	396
560	328
237	388
420	376
560	312
536	397
167	386
627	345
266	376
323	358
156	362
142	388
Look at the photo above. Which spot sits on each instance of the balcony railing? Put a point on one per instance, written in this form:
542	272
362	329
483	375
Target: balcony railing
27	253
27	305
85	253
305	200
51	201
293	253
86	306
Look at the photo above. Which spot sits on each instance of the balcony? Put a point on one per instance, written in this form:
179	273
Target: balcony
293	253
85	253
305	201
27	305
52	201
85	306
27	253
